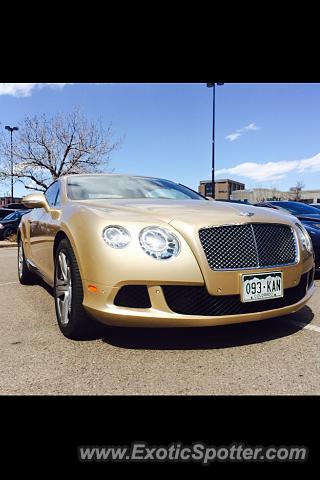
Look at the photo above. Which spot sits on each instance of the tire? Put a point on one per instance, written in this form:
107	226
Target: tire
26	277
8	231
73	320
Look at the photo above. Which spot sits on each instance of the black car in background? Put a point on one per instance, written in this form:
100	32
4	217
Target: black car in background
295	208
315	205
16	206
4	212
10	223
308	215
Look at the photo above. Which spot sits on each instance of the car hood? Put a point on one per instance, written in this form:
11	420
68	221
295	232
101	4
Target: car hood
193	212
10	220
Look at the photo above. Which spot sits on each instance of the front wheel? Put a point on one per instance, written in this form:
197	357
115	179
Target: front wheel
72	318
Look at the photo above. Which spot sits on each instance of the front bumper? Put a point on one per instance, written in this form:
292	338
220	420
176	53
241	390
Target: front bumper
160	315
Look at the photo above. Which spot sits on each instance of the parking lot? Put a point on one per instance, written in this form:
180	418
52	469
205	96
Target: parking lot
278	356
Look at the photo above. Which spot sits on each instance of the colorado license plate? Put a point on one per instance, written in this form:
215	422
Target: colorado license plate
261	286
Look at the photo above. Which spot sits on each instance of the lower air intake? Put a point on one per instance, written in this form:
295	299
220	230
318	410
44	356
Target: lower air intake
133	296
197	301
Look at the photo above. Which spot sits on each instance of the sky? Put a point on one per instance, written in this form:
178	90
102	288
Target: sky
267	135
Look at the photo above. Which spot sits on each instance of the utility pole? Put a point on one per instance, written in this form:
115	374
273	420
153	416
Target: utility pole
213	86
11	129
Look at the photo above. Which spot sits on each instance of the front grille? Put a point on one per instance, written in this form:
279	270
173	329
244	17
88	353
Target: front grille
253	245
133	296
197	301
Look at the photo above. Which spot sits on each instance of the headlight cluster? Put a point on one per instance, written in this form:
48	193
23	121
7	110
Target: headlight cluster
304	237
156	242
159	243
116	236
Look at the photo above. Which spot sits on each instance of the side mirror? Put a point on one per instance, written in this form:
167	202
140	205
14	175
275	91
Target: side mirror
36	200
210	198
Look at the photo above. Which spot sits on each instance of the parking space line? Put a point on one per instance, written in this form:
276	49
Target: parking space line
306	326
8	283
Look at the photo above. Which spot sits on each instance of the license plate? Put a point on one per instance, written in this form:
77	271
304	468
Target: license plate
261	286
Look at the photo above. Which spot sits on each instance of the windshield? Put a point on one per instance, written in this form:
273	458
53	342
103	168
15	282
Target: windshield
125	187
297	208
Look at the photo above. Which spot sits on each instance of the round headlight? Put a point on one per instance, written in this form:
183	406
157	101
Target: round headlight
159	243
305	238
116	236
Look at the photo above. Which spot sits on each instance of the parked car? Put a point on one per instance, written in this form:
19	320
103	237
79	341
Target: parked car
16	206
4	212
309	217
10	223
295	208
315	205
139	251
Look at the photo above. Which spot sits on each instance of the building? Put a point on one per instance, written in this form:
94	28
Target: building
310	196
223	188
257	195
6	200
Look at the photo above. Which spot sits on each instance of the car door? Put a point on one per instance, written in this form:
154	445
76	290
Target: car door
43	228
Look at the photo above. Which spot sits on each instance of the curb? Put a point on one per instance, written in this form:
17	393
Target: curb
8	245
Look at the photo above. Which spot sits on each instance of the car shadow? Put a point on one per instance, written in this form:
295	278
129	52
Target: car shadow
198	338
41	283
218	337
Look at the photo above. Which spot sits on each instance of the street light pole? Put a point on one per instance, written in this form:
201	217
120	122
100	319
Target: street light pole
213	86
11	129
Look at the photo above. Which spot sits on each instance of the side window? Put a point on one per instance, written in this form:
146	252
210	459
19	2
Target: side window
58	202
53	195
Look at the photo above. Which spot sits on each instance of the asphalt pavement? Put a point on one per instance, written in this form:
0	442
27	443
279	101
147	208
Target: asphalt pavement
277	356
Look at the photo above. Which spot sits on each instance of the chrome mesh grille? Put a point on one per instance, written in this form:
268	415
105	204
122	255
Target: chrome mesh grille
253	245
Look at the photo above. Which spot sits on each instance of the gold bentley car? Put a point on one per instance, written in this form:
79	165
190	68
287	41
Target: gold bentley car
147	252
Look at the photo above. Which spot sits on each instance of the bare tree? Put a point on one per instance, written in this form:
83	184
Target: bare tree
295	192
276	194
45	149
284	196
259	198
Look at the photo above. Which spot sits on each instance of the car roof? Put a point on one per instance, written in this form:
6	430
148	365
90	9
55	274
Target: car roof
112	175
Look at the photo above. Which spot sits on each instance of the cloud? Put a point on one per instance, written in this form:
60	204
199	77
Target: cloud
233	136
251	126
238	133
264	172
25	89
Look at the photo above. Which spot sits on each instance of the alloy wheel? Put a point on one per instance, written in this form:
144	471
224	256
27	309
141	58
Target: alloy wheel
20	259
63	288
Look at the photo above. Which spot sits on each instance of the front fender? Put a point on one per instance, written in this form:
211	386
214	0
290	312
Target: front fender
99	263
